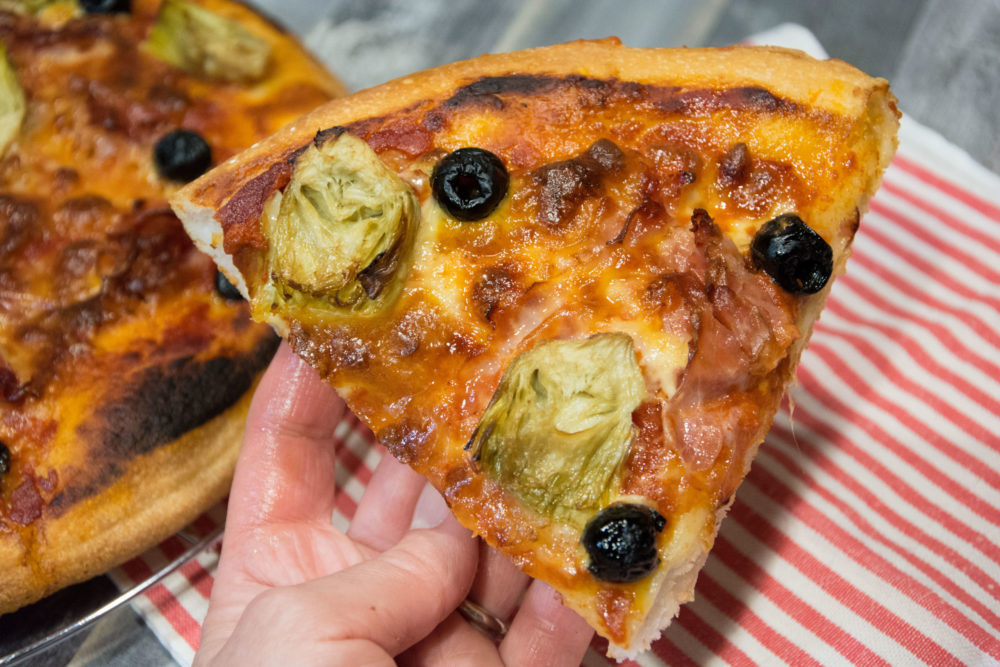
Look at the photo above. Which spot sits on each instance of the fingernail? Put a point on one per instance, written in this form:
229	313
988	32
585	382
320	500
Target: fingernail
431	509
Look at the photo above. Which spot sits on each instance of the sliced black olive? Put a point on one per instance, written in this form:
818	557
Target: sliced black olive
106	6
4	459
469	183
226	289
621	542
795	256
182	155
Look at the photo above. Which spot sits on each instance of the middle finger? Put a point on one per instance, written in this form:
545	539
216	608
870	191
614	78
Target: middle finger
386	508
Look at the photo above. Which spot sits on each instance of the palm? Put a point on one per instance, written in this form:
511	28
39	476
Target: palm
381	590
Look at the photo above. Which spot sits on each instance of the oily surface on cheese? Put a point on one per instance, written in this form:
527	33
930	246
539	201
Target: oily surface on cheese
115	345
630	210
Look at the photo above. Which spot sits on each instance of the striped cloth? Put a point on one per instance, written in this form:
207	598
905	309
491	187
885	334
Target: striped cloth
868	529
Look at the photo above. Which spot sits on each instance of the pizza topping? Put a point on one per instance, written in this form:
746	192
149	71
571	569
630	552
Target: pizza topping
4	459
225	288
621	542
12	104
795	256
564	185
497	286
469	183
735	166
560	423
340	229
106	6
182	155
745	326
206	44
26	502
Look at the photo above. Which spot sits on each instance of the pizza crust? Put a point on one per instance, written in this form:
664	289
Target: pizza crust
828	85
159	494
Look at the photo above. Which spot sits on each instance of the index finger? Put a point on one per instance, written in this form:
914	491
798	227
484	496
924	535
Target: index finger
285	472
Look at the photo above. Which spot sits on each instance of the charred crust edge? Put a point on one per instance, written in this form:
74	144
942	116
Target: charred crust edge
159	405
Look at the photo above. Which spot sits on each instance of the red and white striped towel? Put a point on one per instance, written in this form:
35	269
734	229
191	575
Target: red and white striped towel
868	529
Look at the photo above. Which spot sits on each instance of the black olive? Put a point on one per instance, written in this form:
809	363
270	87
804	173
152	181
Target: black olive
795	256
621	542
106	6
226	289
182	155
469	183
4	459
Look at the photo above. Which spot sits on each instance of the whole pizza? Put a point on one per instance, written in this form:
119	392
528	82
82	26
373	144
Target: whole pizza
569	285
126	360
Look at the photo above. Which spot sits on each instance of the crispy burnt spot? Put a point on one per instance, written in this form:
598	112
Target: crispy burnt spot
340	232
4	460
18	227
753	184
562	186
155	405
497	286
676	167
559	425
735	166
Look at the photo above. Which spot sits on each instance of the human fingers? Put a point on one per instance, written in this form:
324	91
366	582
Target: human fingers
286	469
499	584
545	631
498	588
386	508
452	644
393	600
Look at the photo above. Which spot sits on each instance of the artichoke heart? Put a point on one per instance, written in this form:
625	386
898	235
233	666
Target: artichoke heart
206	44
560	424
341	228
12	102
26	6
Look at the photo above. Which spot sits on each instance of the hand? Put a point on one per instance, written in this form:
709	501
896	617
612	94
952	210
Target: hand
293	590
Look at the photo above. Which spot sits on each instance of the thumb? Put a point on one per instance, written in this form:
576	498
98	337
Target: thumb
393	600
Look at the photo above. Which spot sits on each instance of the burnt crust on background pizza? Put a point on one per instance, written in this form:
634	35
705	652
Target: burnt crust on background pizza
156	406
160	404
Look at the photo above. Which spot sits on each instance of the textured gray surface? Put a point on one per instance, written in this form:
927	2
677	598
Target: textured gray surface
949	74
869	35
941	56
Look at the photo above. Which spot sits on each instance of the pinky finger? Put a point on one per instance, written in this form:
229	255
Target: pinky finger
545	631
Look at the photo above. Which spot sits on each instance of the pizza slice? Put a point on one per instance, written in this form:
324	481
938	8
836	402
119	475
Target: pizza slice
569	285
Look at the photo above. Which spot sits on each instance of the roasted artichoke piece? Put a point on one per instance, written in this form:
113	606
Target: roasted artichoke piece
206	44
341	229
12	103
560	424
26	6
